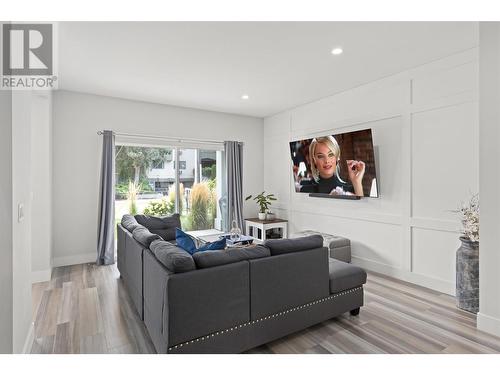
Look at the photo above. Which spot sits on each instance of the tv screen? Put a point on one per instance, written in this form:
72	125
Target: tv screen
335	165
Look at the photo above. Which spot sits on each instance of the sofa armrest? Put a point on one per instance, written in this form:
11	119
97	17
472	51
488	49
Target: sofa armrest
155	290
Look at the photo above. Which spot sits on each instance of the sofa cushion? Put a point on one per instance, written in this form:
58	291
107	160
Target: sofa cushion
144	236
130	223
164	226
214	258
344	276
174	258
284	246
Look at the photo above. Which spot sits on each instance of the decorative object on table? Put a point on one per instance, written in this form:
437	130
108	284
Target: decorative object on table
240	241
235	232
270	215
264	201
467	266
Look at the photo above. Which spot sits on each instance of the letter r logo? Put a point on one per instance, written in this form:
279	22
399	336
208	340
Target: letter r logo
27	49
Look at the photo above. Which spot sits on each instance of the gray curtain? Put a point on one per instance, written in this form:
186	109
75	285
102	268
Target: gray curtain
106	229
234	191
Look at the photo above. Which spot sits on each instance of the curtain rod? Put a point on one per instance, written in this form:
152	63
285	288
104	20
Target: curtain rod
179	140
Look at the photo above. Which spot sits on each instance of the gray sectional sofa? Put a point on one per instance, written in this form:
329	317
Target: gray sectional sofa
229	301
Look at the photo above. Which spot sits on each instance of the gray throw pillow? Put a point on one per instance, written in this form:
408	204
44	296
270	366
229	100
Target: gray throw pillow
129	223
174	258
144	236
164	226
213	258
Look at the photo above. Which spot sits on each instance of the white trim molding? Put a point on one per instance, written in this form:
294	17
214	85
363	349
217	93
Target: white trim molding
28	343
488	324
411	277
74	259
41	276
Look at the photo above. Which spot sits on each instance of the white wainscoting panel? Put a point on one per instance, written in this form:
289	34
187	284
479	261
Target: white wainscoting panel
433	254
378	242
445	159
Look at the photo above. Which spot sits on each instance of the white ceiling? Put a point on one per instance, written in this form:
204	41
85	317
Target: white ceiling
280	65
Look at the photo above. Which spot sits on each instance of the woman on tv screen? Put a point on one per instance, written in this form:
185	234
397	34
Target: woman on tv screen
324	157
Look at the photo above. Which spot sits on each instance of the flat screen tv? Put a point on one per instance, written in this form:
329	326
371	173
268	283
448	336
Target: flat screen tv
338	165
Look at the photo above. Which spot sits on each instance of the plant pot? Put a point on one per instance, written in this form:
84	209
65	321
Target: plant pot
262	216
467	277
270	216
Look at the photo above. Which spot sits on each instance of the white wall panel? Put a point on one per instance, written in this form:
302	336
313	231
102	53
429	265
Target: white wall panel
445	159
433	253
361	104
276	176
445	83
377	242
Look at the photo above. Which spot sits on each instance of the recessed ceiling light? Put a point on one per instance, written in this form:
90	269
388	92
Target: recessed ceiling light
245	97
337	51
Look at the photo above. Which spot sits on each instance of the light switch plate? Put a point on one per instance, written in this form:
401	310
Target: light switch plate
20	212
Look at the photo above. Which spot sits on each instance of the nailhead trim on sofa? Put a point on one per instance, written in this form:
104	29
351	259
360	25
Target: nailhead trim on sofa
262	319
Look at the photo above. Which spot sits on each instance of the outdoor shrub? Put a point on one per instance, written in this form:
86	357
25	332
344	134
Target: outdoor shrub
165	206
133	191
162	207
212	207
121	190
200	202
209	172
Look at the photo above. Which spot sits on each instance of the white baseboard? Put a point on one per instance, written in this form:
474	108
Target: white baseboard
41	276
411	277
28	343
74	259
488	324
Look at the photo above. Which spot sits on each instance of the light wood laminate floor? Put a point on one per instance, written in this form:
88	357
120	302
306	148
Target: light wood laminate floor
86	309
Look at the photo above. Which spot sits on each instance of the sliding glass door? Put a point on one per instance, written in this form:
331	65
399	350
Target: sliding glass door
160	181
198	183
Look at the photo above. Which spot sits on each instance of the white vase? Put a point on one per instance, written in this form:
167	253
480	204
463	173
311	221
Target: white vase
262	216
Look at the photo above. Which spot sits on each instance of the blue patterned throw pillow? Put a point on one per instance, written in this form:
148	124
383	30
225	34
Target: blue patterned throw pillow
184	241
216	245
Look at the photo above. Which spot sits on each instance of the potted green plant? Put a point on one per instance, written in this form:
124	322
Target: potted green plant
264	201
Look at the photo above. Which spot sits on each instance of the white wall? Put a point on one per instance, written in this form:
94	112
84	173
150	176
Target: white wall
41	182
6	222
76	147
21	234
425	133
488	318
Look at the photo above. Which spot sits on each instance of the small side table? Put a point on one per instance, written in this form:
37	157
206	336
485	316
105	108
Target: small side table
253	226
